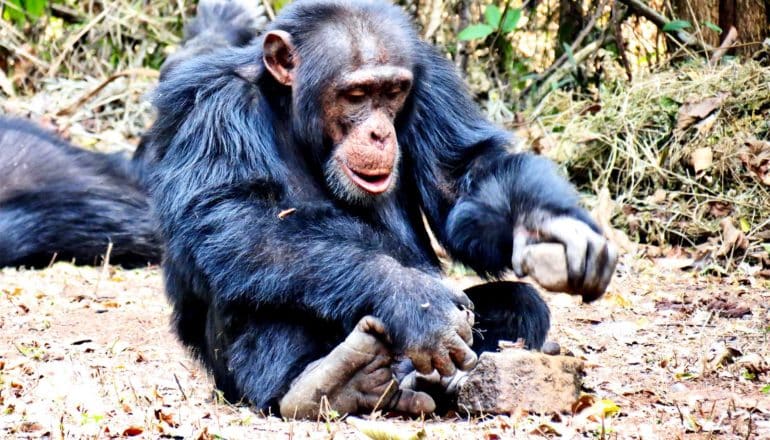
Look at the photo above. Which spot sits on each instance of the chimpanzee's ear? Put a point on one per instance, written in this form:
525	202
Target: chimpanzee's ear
279	56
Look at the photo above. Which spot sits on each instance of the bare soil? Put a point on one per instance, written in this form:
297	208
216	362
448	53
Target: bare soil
88	353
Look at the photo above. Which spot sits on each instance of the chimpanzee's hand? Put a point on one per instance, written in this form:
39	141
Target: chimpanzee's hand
590	257
439	335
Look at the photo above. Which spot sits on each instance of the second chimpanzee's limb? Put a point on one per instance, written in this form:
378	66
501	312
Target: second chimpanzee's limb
65	203
508	311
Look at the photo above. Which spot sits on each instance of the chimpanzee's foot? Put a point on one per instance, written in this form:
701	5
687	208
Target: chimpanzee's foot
355	377
443	390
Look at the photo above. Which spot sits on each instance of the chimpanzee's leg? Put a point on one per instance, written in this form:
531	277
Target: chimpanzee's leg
355	377
290	364
508	311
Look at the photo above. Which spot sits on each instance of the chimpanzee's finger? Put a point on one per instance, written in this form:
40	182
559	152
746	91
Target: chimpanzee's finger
370	324
573	234
414	402
597	256
443	363
604	275
462	355
459	298
421	361
463	320
520	241
402	400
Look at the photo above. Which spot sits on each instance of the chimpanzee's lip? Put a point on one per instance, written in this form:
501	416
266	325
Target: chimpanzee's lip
371	181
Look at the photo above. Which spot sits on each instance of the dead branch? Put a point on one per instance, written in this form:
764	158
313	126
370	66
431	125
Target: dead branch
579	56
660	21
70	109
616	18
557	65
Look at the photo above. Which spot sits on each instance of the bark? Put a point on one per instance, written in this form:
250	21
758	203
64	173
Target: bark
749	17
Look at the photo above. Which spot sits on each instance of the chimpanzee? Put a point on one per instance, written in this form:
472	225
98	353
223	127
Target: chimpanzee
65	203
290	178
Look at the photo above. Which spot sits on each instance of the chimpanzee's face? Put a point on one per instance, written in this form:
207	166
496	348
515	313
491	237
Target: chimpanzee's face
358	108
359	111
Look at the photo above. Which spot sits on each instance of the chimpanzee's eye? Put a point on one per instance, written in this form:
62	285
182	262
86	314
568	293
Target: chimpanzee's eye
393	92
355	96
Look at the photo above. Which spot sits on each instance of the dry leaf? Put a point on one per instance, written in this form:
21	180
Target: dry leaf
720	209
385	430
721	355
204	434
546	429
754	363
30	427
733	239
658	197
164	417
755	156
583	402
692	112
701	159
133	431
727	308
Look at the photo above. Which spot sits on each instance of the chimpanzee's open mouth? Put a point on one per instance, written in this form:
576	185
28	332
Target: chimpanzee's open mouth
374	181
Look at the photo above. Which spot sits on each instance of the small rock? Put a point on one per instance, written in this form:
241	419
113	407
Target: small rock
551	348
512	380
546	263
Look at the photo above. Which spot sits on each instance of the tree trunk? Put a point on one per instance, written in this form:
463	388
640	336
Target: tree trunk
749	17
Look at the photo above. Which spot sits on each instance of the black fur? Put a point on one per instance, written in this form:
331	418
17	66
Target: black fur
64	202
256	296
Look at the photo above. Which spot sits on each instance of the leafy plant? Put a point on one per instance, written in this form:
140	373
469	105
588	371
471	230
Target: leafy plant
494	22
676	25
20	11
498	24
713	27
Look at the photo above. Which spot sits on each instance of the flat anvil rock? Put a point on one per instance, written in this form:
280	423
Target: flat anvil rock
517	379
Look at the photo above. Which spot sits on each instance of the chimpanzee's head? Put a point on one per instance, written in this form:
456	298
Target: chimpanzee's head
350	70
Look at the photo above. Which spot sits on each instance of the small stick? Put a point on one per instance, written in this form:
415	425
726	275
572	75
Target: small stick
179	385
70	109
269	10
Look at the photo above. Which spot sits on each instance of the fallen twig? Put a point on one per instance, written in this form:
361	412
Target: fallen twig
141	71
70	43
269	10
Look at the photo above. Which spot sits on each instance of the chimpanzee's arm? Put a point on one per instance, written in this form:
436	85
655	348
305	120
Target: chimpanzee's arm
486	203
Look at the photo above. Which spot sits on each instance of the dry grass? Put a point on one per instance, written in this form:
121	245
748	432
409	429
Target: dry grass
636	140
86	68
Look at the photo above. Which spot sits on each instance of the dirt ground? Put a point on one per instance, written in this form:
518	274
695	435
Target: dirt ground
87	353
